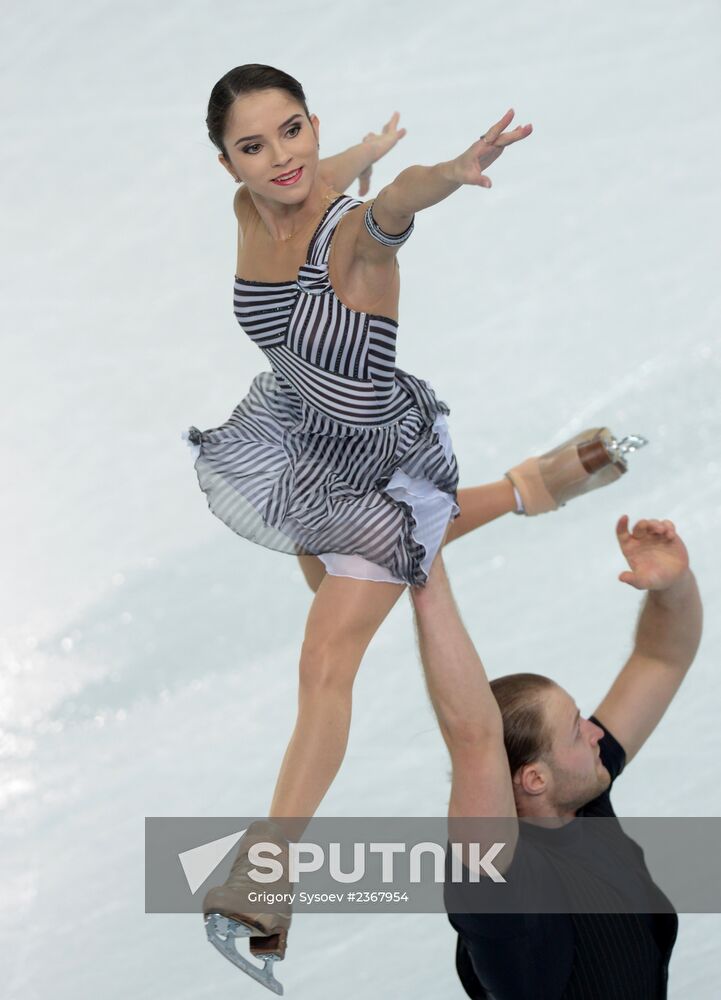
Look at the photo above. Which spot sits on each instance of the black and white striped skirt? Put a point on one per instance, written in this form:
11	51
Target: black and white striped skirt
372	502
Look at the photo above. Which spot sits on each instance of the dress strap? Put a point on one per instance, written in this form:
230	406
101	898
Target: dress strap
320	244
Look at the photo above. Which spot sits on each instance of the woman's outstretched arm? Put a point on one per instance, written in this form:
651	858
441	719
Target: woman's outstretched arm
342	169
419	187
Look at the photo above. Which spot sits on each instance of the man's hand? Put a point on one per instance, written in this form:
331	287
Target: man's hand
668	632
380	145
655	553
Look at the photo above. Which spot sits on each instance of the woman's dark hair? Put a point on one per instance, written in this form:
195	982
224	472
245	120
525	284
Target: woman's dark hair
525	734
245	80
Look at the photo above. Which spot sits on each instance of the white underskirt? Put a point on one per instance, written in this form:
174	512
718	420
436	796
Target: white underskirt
432	509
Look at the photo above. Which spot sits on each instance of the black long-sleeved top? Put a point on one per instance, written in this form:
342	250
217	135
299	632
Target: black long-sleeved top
568	956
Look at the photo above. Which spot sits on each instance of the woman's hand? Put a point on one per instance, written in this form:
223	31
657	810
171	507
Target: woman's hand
469	166
380	145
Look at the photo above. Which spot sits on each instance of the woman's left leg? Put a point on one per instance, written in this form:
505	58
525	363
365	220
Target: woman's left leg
480	505
546	482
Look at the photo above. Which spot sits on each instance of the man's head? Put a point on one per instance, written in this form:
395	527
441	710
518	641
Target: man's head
553	753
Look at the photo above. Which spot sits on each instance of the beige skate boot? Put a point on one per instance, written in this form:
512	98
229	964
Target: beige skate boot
587	461
230	914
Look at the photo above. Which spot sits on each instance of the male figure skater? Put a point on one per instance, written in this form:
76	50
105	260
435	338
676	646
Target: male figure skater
519	748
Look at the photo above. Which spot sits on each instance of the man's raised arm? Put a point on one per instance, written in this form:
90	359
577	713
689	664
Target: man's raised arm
467	712
667	635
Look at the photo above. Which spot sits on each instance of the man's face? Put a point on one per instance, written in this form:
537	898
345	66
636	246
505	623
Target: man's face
573	771
283	145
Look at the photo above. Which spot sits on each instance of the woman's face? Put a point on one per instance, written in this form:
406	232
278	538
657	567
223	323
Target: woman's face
267	135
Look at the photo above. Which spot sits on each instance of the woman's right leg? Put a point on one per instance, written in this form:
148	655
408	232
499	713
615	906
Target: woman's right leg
343	618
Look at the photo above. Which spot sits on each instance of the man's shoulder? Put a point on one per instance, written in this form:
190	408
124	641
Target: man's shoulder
613	755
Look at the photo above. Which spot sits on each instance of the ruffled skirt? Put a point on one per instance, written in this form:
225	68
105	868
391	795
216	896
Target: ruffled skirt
372	502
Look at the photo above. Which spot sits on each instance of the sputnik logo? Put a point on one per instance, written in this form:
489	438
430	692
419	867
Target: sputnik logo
199	862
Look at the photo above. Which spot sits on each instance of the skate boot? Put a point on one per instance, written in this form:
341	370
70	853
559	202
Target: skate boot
229	914
587	461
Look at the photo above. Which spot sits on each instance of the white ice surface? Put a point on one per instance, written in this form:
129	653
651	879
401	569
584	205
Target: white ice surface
143	644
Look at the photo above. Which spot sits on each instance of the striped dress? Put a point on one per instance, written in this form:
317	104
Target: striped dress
335	452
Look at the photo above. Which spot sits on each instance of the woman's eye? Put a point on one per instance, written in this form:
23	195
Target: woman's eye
249	149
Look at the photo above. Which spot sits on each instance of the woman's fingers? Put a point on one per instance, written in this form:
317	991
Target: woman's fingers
494	137
391	123
519	132
495	130
479	156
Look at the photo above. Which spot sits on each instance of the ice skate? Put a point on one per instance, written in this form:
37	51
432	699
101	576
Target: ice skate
230	915
591	459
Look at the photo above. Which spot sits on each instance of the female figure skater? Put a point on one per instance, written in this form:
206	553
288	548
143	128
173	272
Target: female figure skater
336	455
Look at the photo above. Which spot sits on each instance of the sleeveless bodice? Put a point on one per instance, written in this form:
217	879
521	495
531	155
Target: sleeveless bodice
336	452
337	360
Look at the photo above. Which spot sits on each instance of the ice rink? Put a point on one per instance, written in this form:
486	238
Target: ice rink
149	655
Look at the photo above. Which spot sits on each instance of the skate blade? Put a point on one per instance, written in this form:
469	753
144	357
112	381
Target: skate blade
222	932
